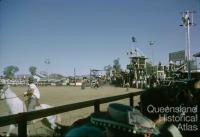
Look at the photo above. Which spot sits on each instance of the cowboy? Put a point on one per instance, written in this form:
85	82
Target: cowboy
33	94
127	85
3	85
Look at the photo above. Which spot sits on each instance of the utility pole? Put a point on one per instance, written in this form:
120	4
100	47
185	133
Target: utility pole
74	76
187	22
90	78
47	62
131	54
151	44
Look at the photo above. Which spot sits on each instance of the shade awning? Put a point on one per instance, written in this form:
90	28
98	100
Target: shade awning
196	54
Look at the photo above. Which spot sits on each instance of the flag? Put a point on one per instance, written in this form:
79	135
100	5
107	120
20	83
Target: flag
47	61
133	39
151	43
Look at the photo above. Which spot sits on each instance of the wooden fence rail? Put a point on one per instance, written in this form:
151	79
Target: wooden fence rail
22	118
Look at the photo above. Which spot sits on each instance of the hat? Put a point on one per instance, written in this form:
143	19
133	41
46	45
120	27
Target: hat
197	84
124	118
193	84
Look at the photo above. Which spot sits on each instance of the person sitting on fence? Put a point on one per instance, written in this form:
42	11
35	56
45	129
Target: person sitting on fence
33	95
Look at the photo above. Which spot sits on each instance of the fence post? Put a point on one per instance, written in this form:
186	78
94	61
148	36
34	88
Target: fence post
97	106
131	99
22	125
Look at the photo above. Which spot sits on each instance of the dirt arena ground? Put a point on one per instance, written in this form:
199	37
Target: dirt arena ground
57	96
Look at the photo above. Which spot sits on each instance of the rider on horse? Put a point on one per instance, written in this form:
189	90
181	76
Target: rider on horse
3	84
33	94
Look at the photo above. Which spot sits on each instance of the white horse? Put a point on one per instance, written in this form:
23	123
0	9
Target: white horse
16	105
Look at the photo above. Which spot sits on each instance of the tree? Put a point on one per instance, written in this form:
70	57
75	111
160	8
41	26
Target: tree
9	72
116	65
117	73
32	70
159	66
108	70
149	68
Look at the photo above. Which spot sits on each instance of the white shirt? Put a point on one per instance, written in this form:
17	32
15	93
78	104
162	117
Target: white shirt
35	90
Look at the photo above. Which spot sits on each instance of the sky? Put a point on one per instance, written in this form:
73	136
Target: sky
90	34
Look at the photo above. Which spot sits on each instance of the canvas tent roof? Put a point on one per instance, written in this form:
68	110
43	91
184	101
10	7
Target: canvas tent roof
197	54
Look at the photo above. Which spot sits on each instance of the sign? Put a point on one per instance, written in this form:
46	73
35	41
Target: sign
177	56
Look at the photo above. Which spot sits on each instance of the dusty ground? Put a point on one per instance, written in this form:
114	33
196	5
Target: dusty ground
57	96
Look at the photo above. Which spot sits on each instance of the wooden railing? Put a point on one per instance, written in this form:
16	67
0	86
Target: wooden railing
22	118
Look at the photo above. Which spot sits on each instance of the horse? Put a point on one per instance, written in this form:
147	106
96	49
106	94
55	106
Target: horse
16	105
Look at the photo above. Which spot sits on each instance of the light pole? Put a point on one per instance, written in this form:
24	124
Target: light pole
131	54
151	44
74	76
187	22
47	62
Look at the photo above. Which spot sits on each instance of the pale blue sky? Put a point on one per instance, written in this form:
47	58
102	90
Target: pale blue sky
90	33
